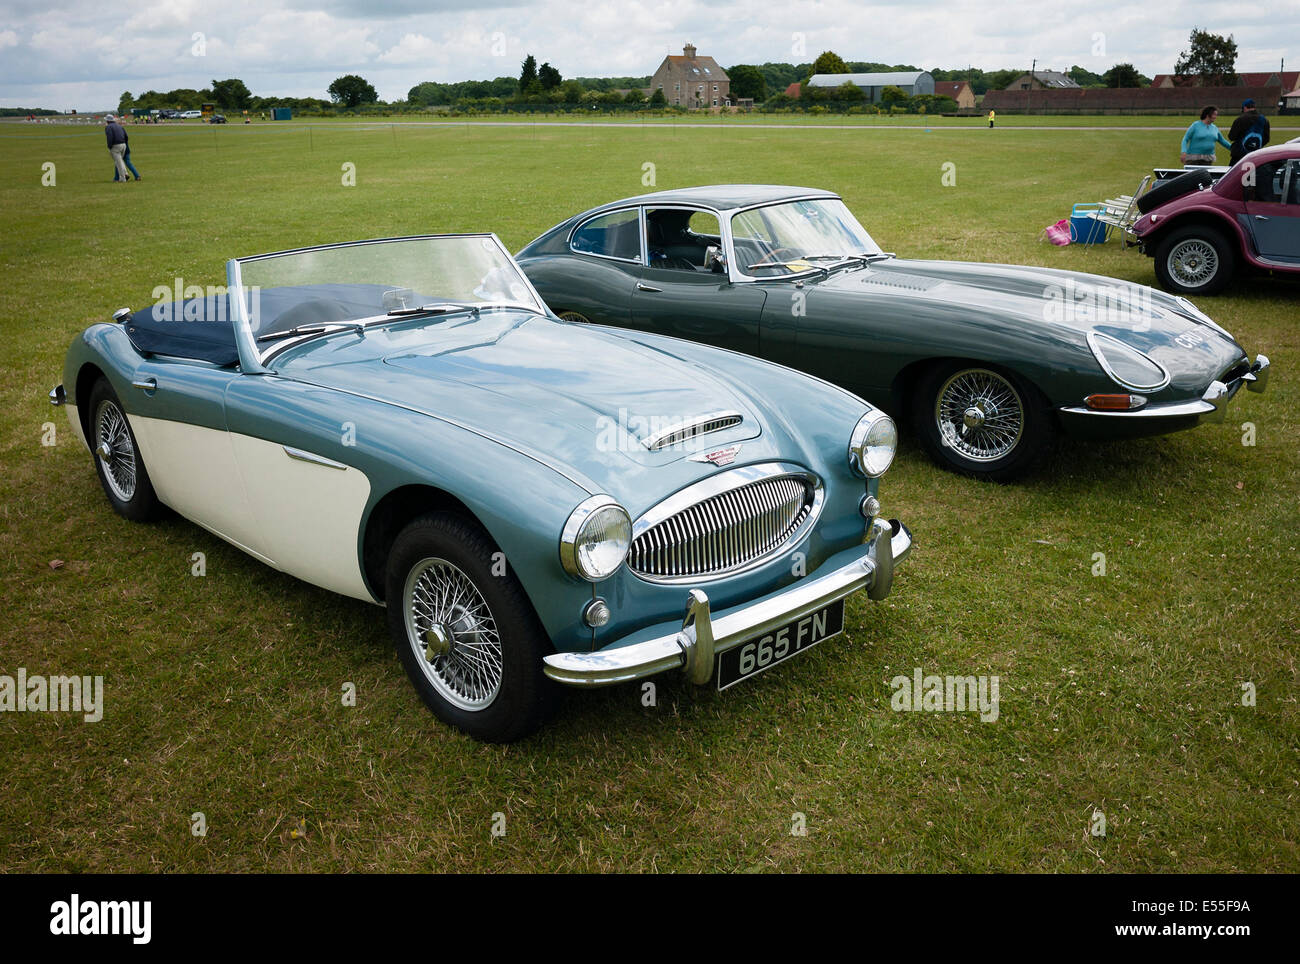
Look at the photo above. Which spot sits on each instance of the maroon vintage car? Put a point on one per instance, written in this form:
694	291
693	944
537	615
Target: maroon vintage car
1201	233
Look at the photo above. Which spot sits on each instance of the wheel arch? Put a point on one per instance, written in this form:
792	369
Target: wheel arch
392	513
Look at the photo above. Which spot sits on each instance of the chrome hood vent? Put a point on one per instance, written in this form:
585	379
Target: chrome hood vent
725	524
687	429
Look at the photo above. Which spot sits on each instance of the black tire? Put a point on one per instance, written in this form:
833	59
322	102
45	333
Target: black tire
1009	430
1194	260
1172	188
487	678
118	463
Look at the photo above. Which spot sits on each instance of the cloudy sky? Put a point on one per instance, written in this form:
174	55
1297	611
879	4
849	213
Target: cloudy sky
84	53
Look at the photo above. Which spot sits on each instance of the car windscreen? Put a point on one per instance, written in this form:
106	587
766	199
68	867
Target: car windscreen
797	236
349	283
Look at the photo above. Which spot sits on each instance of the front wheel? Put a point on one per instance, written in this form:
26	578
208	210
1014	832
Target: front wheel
465	631
1194	260
121	470
574	317
981	421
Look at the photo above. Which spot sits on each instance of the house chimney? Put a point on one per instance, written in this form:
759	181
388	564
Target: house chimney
689	51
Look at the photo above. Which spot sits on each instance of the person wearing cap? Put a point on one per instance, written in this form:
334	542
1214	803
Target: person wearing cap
116	136
1249	132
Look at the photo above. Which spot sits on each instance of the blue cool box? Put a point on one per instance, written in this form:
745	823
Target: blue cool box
1084	226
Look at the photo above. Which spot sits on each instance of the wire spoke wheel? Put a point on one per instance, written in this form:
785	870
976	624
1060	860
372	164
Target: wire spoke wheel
980	415
115	450
452	633
575	317
1193	262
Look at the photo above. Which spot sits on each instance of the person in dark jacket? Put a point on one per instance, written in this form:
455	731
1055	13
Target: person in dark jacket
116	135
1249	132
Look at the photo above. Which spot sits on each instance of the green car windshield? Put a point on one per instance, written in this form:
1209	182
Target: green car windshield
313	290
795	237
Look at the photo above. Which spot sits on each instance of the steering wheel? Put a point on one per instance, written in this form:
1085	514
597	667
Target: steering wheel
772	258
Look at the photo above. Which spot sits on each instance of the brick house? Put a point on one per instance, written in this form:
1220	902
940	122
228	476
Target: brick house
958	90
1288	80
1043	80
691	81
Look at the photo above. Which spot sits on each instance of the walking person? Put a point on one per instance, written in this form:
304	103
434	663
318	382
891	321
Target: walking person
1200	140
993	115
1249	132
116	136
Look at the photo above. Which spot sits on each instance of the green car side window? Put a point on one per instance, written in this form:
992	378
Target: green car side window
613	235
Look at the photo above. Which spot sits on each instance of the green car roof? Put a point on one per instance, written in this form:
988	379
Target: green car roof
724	197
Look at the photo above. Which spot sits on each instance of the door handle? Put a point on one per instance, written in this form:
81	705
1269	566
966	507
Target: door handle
642	286
1261	217
149	385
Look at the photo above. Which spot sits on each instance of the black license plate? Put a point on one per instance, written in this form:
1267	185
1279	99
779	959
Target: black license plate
752	657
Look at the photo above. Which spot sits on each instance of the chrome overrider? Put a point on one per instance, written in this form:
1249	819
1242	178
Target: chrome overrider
703	636
1211	406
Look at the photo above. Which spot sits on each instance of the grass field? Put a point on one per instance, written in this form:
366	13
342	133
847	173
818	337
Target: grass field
1120	694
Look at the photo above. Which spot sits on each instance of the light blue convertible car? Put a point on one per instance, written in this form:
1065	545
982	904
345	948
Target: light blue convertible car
403	421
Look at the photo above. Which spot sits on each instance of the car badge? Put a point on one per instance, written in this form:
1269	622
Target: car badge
718	456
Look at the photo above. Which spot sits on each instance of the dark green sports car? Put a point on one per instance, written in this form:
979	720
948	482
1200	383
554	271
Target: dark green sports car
988	362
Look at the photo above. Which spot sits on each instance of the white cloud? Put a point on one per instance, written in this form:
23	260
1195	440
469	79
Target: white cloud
61	54
412	48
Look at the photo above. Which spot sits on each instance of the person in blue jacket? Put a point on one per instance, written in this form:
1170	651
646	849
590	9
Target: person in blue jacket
1200	140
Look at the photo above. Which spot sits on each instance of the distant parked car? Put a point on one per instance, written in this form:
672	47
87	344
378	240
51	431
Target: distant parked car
988	361
1249	219
402	421
190	114
217	119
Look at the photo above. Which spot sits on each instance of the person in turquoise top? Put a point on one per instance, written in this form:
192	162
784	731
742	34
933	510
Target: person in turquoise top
1201	138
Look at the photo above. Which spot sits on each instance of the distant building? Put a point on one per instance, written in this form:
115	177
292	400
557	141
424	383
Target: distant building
793	90
910	82
691	81
958	90
1287	80
1043	80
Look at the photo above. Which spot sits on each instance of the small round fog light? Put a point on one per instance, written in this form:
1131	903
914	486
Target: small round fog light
596	614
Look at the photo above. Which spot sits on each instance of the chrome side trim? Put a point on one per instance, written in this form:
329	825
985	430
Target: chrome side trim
703	635
689	428
313	458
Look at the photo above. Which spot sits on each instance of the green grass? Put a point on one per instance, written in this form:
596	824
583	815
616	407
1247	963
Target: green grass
1120	693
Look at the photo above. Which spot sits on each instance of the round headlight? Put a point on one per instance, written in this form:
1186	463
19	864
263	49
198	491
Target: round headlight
595	539
1126	365
872	444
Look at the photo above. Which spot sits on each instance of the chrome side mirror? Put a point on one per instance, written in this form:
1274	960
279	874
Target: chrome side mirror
121	315
714	259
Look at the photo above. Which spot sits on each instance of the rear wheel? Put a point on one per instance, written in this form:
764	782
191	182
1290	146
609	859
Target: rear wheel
465	631
121	470
981	421
1195	260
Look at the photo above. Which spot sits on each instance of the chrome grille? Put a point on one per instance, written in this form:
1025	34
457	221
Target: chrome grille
728	530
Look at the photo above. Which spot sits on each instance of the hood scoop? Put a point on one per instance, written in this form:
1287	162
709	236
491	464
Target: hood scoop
663	436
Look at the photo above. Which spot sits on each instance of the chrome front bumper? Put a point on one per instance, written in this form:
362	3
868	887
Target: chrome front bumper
703	635
1210	407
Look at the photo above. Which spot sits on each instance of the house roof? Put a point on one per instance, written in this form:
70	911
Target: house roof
950	87
1256	78
1054	78
793	89
899	78
701	68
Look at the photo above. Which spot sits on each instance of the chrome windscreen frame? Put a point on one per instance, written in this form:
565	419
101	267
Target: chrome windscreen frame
251	360
717	485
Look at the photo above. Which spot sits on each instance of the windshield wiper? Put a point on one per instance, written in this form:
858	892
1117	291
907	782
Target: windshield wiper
312	330
442	308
